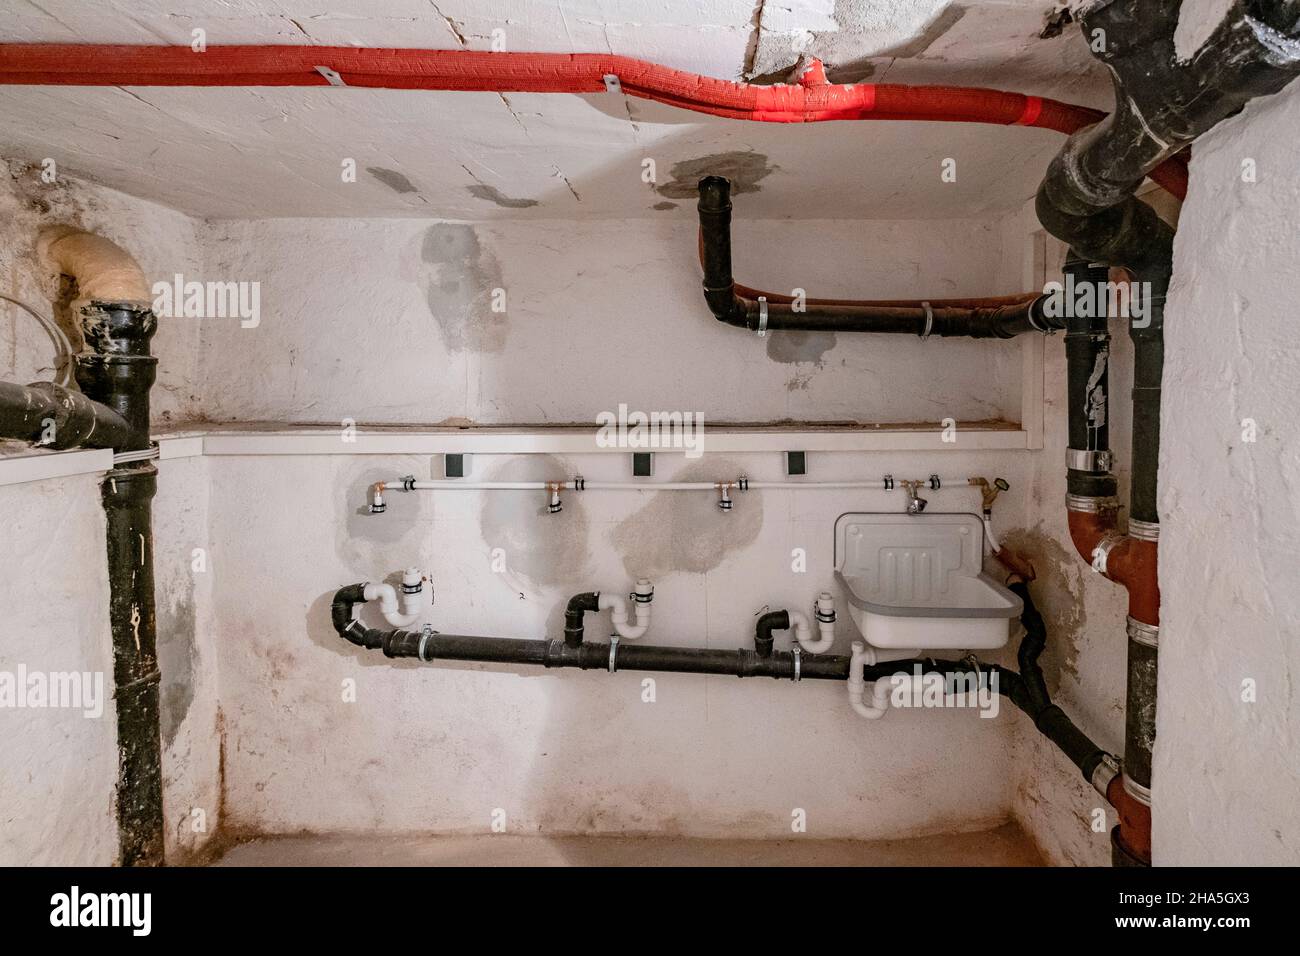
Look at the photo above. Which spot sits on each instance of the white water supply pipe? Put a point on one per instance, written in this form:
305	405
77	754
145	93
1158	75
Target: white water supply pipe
642	595
403	611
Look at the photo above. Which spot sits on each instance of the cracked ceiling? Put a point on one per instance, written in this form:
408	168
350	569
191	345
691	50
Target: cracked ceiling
272	152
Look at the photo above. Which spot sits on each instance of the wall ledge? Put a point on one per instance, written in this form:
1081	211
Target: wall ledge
26	465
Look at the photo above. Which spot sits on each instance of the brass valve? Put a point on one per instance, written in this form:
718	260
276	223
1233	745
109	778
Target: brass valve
989	491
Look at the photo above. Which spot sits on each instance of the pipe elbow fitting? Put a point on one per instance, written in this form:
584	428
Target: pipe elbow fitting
105	272
767	623
578	605
343	613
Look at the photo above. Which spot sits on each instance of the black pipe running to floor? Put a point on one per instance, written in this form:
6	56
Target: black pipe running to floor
1003	321
118	373
1164	100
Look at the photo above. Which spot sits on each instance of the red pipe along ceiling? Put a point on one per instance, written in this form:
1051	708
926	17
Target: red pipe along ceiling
811	100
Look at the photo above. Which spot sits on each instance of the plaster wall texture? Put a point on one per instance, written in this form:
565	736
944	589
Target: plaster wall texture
441	747
1225	778
393	321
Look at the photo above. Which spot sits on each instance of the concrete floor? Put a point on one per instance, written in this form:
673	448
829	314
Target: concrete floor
1006	845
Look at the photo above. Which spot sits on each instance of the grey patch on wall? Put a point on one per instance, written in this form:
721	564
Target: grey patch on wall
460	278
743	167
391	178
794	347
494	195
374	546
176	663
664	206
542	548
687	531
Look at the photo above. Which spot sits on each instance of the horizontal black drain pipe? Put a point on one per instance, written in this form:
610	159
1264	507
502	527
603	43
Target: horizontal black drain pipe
51	416
1029	693
1003	321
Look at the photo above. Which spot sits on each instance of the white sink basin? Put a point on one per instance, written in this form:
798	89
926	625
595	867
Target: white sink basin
917	581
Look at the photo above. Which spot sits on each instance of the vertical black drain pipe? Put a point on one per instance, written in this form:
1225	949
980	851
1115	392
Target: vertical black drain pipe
118	371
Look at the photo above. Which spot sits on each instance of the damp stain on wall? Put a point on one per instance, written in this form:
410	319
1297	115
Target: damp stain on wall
745	169
687	531
539	548
373	546
494	195
391	178
795	347
463	284
176	662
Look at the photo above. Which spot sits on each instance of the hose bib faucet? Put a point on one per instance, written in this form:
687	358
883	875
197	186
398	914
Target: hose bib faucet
915	503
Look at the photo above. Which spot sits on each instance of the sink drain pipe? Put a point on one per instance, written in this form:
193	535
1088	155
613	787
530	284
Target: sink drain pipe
1026	690
1006	318
1088	200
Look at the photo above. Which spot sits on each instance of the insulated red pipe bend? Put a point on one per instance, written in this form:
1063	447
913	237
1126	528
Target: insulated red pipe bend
811	100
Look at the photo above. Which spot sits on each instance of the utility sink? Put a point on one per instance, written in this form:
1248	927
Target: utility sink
917	581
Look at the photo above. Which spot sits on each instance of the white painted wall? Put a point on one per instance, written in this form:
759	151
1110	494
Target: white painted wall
440	747
391	321
1226	779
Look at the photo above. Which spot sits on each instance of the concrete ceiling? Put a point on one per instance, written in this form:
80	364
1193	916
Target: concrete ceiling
272	152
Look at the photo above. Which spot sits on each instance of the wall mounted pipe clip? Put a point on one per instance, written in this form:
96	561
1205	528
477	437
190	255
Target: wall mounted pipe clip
762	316
331	75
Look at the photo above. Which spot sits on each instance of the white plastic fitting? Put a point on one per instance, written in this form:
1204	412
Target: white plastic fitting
412	602
825	613
861	657
616	604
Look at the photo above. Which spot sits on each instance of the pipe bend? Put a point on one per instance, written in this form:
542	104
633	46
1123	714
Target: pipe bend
343	613
578	605
105	272
767	623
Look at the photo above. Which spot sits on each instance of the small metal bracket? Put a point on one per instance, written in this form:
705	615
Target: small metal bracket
888	482
426	632
798	664
613	653
612	85
935	483
929	320
331	75
762	316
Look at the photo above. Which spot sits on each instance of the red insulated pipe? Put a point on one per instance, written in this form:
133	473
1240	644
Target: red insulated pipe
811	100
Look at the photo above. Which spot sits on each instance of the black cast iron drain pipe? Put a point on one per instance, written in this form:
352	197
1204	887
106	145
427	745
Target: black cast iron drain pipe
1088	199
112	411
51	416
1002	321
1026	690
118	373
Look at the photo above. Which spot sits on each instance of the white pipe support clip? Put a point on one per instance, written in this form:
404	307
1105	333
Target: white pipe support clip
762	316
929	320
